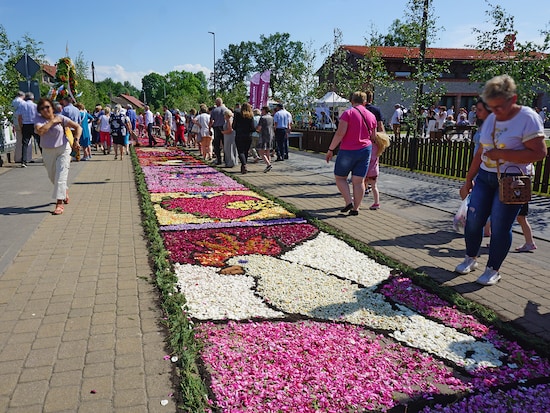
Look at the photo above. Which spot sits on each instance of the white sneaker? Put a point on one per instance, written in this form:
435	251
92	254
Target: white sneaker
468	265
489	277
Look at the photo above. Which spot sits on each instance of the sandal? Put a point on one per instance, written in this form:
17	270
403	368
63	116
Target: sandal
66	200
59	208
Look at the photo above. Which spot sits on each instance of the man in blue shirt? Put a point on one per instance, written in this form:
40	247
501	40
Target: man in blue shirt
69	110
283	123
26	112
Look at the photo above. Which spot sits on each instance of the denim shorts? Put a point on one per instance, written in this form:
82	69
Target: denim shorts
356	162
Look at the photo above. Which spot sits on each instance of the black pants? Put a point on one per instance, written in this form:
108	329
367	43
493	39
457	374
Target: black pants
152	141
280	138
218	144
27	132
243	146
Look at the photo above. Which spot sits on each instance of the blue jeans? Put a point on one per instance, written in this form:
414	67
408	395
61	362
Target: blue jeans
484	202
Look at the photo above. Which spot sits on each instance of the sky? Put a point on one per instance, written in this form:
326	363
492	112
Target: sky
127	40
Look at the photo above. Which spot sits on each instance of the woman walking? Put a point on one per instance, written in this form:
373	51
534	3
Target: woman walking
105	131
230	154
512	137
243	124
56	150
355	134
203	121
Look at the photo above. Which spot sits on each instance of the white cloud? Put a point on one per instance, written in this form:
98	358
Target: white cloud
119	74
194	68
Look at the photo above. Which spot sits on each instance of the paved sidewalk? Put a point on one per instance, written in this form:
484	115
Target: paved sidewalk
414	226
79	318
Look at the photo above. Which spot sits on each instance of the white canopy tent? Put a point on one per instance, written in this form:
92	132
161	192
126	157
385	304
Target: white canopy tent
331	105
331	99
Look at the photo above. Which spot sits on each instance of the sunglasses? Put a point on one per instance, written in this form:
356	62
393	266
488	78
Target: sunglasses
44	107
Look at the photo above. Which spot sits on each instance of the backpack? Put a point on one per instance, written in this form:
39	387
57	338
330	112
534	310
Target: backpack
118	125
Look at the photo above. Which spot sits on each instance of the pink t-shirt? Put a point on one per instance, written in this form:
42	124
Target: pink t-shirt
357	135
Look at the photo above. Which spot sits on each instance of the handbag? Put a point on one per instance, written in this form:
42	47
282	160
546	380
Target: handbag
69	135
512	189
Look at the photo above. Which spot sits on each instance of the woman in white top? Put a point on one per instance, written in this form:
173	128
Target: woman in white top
105	131
513	136
203	121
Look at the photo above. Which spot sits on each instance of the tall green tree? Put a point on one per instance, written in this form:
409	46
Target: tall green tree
234	66
154	85
346	73
186	90
285	59
89	96
527	62
10	53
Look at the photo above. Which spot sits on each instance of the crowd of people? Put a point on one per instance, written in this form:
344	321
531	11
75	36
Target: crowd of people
221	135
507	134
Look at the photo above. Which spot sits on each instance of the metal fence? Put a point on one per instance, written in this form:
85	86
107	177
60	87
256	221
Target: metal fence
446	158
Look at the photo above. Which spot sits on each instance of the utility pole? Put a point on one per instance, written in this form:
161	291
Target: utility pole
421	67
214	67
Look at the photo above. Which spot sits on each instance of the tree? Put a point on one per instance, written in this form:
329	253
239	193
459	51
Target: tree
234	66
526	62
154	86
285	59
277	53
415	32
346	73
10	53
185	90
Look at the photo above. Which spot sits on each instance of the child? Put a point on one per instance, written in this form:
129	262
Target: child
529	244
168	133
380	144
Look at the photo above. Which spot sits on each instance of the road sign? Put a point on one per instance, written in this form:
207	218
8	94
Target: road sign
30	86
27	66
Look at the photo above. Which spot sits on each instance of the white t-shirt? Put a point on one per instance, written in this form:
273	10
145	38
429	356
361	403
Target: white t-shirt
440	118
509	134
397	116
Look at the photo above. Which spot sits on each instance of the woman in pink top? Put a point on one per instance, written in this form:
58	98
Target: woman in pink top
355	134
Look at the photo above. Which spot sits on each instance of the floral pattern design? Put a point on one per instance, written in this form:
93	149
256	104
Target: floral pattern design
293	319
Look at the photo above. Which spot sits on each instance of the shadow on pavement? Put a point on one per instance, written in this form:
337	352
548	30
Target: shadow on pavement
37	209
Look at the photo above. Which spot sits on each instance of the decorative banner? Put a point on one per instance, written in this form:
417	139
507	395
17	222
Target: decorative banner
254	99
265	79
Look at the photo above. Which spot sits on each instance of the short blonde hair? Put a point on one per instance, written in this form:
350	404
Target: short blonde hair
502	86
359	97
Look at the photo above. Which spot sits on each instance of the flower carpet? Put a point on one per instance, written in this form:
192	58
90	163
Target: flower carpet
292	319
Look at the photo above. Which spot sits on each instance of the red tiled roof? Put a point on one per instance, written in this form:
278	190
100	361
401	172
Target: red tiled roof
387	52
50	70
134	101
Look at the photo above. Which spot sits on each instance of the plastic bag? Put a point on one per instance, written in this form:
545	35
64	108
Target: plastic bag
459	221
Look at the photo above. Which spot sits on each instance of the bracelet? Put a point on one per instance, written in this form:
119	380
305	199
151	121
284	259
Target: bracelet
332	150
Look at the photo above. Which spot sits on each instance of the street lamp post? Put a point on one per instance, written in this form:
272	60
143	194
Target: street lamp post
214	67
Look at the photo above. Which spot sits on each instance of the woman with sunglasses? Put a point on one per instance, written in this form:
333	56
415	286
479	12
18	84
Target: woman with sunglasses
513	136
56	150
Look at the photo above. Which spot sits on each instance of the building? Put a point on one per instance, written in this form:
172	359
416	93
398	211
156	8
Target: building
459	90
124	100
